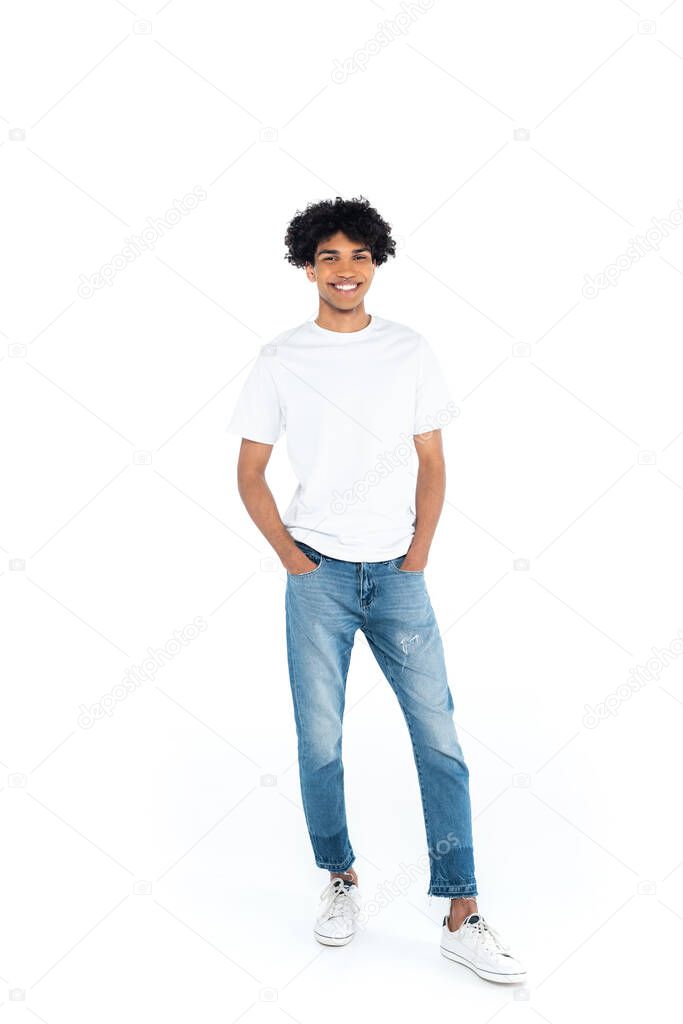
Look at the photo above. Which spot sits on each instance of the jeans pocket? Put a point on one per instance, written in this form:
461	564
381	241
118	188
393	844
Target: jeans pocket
315	556
396	566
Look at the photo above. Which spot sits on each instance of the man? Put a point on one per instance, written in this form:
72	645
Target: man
359	396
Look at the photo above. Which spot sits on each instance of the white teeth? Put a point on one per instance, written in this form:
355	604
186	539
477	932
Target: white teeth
345	287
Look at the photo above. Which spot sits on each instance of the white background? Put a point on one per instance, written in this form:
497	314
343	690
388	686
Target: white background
157	862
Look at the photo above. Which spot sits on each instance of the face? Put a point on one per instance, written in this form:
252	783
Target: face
340	261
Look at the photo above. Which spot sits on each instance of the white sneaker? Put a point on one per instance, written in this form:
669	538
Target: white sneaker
335	924
477	945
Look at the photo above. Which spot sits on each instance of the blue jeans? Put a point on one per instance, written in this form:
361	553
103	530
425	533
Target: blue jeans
324	608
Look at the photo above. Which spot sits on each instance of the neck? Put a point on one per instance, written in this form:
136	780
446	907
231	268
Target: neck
342	320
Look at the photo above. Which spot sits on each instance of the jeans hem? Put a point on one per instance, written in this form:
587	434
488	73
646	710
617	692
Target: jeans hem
344	866
453	891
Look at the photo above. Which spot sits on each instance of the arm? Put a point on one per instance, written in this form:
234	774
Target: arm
260	504
430	492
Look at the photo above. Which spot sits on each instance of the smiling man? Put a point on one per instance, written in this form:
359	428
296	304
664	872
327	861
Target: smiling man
362	400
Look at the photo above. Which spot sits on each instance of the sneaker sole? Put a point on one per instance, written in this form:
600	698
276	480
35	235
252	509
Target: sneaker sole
482	972
329	940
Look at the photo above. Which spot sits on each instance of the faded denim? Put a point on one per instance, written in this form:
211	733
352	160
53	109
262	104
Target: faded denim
324	608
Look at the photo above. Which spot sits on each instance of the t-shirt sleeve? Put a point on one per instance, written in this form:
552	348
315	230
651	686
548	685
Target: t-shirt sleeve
433	401
258	414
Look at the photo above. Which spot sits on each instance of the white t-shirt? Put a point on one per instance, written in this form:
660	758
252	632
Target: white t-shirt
350	404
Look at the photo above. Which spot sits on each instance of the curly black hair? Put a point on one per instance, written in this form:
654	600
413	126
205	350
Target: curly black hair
355	217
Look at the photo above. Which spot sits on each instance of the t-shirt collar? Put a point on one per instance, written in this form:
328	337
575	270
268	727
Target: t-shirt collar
341	336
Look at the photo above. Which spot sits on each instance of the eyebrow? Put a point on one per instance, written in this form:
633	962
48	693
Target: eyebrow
335	252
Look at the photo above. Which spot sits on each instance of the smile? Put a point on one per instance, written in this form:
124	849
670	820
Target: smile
346	287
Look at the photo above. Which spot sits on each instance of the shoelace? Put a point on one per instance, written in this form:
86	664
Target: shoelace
336	896
488	937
